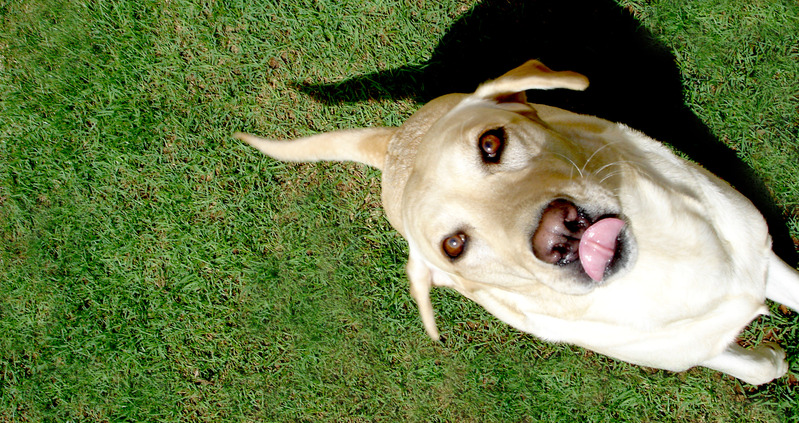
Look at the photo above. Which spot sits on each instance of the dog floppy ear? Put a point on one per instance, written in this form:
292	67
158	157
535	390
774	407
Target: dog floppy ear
533	75
366	145
421	282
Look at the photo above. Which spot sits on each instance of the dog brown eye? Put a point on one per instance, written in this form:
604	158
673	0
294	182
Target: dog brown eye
454	245
491	145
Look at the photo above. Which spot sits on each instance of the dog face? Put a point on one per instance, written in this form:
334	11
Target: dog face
498	196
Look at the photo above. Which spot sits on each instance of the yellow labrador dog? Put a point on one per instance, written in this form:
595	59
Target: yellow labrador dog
570	227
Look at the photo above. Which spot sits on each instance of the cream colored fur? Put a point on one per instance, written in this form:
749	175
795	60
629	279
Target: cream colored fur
698	261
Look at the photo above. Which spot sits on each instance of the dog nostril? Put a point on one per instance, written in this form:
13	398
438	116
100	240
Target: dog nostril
557	238
560	254
578	225
568	252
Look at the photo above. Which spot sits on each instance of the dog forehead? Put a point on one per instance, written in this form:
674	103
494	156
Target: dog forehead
450	145
474	116
448	169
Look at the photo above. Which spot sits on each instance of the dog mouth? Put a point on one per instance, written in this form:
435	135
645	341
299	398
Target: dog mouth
567	236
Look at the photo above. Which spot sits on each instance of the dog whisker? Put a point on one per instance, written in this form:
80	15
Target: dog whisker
580	171
596	172
635	164
610	175
609	165
591	157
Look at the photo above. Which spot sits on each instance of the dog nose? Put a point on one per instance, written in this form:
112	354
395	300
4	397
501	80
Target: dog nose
557	238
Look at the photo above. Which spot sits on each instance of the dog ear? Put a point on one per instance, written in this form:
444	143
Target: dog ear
366	145
533	75
421	282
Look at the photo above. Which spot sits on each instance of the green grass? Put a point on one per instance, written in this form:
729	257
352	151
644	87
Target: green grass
154	269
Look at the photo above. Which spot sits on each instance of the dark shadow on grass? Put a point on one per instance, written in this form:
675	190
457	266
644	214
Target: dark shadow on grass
634	79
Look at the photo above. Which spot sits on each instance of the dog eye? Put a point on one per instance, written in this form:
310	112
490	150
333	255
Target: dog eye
491	145
454	245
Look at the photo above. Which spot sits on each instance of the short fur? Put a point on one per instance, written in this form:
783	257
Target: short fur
697	263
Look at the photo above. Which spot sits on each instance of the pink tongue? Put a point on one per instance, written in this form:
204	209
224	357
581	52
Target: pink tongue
598	245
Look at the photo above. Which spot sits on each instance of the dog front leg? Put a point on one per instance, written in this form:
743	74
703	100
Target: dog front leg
421	282
782	283
756	366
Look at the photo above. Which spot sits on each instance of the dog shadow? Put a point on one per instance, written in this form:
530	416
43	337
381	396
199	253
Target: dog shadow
634	79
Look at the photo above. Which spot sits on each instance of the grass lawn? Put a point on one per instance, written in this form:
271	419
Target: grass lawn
154	269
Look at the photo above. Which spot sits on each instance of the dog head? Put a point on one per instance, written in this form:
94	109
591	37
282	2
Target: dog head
491	191
498	196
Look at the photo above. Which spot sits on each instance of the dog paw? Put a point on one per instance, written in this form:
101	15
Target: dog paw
776	355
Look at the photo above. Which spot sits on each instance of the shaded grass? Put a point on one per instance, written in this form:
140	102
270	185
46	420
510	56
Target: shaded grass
154	269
